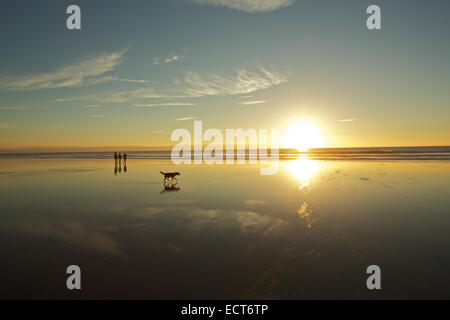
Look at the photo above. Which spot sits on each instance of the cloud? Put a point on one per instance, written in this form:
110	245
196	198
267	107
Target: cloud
93	106
17	108
88	72
248	5
193	85
108	96
252	102
115	96
135	81
145	93
244	81
13	108
172	58
170	104
185	118
100	116
6	125
347	120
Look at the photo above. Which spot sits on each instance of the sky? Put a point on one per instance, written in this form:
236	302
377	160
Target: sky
137	70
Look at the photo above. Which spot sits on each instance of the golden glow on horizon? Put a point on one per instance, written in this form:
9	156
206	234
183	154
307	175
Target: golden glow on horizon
302	135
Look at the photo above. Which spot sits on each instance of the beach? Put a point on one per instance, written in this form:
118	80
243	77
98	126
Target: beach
224	231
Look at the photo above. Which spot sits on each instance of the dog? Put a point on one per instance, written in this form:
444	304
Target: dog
171	175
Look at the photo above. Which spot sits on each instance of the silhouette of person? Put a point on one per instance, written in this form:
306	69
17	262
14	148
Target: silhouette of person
124	158
115	156
120	157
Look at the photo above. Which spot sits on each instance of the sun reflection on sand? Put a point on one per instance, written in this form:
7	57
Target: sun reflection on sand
303	170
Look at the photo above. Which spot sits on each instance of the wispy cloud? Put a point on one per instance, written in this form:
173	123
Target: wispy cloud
101	116
185	118
108	96
252	102
193	85
244	81
115	96
13	108
172	58
347	120
93	106
18	108
145	93
135	80
88	72
248	5
6	125
170	104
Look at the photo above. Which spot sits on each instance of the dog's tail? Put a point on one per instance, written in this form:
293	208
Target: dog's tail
162	173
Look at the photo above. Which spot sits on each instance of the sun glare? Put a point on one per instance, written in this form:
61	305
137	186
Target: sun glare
302	135
303	170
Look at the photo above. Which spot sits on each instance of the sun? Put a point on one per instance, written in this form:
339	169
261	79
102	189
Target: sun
302	136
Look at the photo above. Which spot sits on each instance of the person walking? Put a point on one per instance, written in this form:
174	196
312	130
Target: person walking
125	158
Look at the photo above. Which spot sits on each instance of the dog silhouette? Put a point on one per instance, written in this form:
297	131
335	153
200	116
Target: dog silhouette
170	175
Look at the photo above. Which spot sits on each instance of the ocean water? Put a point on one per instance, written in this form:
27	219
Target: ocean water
390	153
226	231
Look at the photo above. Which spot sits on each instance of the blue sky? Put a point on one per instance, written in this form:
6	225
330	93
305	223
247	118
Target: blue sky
137	67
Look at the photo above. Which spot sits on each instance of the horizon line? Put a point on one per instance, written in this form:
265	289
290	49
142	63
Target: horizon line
168	148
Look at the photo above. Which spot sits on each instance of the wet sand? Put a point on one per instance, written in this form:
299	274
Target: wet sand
224	231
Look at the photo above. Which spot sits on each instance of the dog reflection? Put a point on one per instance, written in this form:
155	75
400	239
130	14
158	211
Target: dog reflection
170	186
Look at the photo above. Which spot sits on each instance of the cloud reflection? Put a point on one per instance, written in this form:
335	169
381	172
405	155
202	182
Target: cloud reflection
74	233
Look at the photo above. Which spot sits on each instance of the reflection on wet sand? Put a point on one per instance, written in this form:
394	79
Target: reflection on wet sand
303	170
170	186
118	167
303	233
72	232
